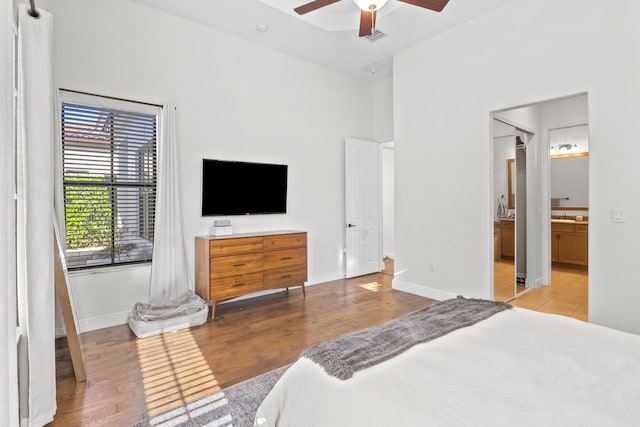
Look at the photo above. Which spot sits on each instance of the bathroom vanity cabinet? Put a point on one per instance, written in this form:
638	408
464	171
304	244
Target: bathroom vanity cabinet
570	243
507	238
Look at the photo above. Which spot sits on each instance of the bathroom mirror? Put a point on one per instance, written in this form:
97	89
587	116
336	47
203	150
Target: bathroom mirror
569	182
569	151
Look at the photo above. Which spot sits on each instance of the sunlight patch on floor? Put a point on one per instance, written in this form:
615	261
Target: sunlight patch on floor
175	374
373	286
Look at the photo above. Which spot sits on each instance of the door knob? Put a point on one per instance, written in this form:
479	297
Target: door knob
350	225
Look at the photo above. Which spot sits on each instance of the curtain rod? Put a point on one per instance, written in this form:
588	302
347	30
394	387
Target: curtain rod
33	12
112	97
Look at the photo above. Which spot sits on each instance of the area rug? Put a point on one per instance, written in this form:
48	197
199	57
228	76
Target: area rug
232	406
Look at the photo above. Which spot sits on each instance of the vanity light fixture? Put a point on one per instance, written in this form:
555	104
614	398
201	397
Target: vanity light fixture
567	147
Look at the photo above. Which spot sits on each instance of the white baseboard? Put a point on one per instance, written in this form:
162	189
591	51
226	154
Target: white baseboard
323	278
100	322
422	291
40	420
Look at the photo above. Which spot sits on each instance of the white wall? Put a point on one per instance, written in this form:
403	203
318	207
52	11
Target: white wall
235	101
9	405
388	199
444	89
383	110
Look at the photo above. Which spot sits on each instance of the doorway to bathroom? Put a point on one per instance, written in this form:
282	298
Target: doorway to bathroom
557	213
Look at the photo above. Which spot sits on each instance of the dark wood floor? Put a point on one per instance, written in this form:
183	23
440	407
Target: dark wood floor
130	379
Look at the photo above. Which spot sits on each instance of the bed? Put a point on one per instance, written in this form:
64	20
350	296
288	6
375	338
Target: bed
516	367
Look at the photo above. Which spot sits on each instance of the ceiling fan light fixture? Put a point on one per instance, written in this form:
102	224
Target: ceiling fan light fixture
369	5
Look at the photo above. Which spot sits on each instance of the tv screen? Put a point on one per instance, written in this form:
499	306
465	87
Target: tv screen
243	188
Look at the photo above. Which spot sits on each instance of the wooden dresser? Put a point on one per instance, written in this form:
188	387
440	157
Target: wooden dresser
230	266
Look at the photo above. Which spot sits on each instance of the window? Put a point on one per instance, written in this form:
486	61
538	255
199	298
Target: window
109	180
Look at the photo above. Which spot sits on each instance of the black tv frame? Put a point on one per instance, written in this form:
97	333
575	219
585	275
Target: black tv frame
233	188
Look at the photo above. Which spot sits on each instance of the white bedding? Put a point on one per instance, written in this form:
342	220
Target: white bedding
517	368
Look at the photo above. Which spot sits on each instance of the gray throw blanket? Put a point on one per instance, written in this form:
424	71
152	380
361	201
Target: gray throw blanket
185	304
343	356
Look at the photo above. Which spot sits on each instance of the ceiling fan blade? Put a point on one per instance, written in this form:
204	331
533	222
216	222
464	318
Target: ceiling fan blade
435	5
367	22
310	7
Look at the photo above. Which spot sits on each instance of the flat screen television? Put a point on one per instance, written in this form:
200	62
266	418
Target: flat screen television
243	188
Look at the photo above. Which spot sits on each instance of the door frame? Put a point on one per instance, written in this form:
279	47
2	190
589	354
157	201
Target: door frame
546	201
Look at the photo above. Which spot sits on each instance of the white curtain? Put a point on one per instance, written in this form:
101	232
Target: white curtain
8	348
170	276
34	177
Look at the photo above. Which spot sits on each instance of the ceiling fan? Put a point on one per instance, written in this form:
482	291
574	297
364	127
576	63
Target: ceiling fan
369	8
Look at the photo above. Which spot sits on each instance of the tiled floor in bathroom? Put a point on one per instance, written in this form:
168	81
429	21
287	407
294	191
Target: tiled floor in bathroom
567	295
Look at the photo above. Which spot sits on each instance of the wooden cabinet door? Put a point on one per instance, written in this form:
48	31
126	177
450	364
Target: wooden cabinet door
554	247
508	239
573	248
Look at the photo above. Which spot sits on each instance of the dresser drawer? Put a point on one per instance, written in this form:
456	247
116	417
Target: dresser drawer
227	246
285	258
283	277
285	241
582	228
236	264
562	227
506	224
230	286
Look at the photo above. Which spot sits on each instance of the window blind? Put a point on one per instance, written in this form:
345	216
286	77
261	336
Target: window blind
109	178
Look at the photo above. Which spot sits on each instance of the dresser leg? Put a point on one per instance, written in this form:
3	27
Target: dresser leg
213	309
304	294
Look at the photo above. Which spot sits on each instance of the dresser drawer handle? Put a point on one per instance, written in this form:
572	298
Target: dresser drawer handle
286	276
285	258
239	265
238	284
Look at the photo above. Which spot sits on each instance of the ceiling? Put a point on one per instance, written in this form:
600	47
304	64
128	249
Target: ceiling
327	36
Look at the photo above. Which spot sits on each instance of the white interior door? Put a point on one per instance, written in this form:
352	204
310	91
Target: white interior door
363	206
